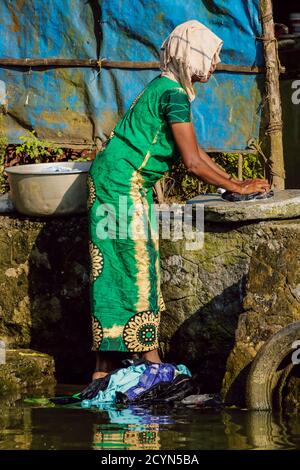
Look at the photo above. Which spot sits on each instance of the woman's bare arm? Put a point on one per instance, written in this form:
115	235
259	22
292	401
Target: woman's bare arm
209	161
185	138
186	141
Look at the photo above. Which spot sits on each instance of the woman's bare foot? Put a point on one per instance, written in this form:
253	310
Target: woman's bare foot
104	364
152	356
99	375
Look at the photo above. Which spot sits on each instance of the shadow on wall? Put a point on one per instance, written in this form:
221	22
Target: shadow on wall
58	290
204	341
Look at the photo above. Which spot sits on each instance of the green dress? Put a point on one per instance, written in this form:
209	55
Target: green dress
125	295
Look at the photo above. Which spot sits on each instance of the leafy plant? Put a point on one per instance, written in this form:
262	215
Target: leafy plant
85	157
35	148
253	166
179	185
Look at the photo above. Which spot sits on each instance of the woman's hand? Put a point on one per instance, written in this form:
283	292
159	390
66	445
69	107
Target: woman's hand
199	163
253	186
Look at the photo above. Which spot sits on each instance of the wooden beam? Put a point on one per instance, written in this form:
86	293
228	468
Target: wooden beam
115	64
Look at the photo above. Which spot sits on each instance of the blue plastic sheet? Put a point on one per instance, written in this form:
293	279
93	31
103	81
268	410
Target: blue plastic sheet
76	105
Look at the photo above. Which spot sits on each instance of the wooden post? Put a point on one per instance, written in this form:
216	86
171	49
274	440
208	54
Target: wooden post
159	192
274	128
240	166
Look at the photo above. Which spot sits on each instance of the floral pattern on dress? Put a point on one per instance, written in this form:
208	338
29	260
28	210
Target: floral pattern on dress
91	192
97	333
96	259
141	332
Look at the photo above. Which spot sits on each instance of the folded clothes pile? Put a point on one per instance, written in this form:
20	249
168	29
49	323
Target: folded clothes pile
138	382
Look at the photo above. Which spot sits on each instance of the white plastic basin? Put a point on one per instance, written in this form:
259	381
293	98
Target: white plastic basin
39	191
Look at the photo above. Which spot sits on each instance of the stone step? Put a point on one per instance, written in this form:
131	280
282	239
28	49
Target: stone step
25	370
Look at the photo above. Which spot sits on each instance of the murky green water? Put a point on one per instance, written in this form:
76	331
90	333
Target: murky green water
24	426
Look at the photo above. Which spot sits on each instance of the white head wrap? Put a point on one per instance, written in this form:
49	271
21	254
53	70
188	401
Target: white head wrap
190	49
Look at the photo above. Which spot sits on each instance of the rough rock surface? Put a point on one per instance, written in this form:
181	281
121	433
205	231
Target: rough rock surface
26	371
44	295
271	302
223	300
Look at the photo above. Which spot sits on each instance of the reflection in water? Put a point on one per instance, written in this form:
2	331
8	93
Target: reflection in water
257	430
153	428
15	428
136	428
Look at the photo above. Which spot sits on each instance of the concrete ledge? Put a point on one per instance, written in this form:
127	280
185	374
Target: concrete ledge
283	205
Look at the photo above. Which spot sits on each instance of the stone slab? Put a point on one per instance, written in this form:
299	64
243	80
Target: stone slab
284	204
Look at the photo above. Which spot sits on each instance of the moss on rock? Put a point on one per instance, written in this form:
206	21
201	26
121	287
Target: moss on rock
223	301
26	370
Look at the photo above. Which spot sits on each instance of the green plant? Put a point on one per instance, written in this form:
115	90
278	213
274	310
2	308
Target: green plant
87	158
4	187
35	148
253	166
179	185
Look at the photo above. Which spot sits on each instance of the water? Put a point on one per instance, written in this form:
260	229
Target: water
25	426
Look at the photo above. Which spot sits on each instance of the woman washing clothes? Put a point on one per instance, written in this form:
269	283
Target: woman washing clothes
154	134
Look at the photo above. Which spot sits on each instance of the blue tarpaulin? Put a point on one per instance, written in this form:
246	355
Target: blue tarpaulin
76	105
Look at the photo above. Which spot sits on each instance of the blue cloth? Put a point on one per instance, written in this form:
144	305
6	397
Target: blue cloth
120	381
134	380
153	375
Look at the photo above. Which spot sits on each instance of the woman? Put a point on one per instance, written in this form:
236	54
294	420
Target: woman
154	133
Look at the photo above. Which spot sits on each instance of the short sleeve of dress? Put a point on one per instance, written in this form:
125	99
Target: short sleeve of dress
176	106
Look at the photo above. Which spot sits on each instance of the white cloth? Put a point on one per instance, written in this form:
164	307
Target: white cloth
190	49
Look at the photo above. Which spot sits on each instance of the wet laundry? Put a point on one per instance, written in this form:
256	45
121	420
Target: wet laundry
127	384
162	393
236	197
138	382
153	375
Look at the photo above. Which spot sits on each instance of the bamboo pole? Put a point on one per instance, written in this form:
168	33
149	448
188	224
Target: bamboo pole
159	192
274	118
116	64
240	166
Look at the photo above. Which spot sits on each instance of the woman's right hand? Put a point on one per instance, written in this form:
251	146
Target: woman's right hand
253	186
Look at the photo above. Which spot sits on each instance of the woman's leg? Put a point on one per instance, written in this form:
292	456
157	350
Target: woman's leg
151	356
104	364
107	361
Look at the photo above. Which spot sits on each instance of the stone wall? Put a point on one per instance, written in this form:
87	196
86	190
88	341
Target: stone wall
272	301
44	295
223	301
219	298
